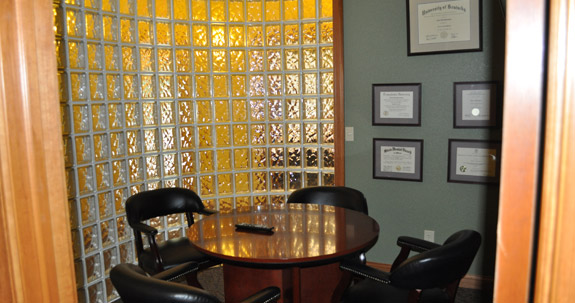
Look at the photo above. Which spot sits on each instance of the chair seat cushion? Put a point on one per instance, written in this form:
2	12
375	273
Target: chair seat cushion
173	252
370	291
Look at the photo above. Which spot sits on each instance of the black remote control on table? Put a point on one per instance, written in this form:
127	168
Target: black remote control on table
255	228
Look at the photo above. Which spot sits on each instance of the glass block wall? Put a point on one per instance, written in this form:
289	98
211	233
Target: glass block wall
233	99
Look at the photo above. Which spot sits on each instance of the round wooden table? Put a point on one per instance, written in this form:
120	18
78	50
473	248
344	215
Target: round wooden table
301	256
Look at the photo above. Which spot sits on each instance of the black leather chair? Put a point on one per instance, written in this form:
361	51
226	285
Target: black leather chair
433	275
162	202
134	286
341	196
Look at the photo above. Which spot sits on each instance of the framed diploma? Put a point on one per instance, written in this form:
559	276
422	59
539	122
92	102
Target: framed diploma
397	159
397	104
475	104
445	26
474	161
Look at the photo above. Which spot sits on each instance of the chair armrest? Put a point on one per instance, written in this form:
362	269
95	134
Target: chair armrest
365	271
177	272
146	229
416	244
266	295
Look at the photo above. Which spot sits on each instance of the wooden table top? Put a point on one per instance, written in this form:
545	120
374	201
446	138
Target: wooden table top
304	235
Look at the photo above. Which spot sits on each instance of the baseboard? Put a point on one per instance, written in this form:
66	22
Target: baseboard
469	281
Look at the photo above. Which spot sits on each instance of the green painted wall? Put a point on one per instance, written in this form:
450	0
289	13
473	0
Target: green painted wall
375	51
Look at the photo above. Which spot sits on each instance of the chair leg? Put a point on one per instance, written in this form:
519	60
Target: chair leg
192	279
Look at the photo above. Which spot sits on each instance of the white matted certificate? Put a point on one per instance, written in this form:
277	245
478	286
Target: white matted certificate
478	162
447	21
396	105
398	159
475	104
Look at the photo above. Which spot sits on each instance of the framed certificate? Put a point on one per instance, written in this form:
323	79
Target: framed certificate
398	159
474	161
475	104
445	26
396	104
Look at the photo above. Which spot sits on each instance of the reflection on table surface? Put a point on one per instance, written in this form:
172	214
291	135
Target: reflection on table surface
303	233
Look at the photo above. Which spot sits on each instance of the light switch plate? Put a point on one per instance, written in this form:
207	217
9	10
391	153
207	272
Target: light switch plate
349	133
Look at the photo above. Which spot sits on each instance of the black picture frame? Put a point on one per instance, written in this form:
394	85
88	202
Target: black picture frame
396	104
476	104
474	161
398	159
444	26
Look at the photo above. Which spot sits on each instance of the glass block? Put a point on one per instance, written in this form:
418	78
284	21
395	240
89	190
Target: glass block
170	165
258	134
108	231
76	243
168	138
291	9
74	24
260	200
126	249
327	133
188	163
127	30
226	205
204	111
309	33
68	154
65	118
97	85
294	180
189	183
128	58
113	86
205	136
115	116
224	184
276	135
310	133
109	5
240	134
186	114
237	61
145	32
136	169
200	10
93	26
58	20
257	85
207	186
199	35
149	113
76	54
276	157
111	259
277	181
151	140
81	121
256	60
275	87
220	86
326	55
119	172
242	182
132	114
293	133
95	59
327	83
309	58
127	7
274	60
88	210
110	28
181	10
224	159
134	139
219	36
219	60
255	36
326	8
237	36
130	87
241	158
291	33
166	87
259	158
163	33
218	10
222	111
79	273
163	9
174	233
167	111
145	8
273	34
83	149
310	84
259	181
63	85
236	10
201	61
60	54
117	144
294	157
187	137
90	236
223	136
327	109
120	196
292	59
182	34
147	59
310	109
311	179
292	86
273	12
243	203
239	110
183	60
202	88
311	157
101	147
254	10
328	158
238	86
165	60
93	267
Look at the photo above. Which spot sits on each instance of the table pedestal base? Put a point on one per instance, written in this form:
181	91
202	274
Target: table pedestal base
316	284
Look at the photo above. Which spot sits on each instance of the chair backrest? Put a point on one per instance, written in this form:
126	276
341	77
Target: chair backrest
134	286
341	196
161	202
440	266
